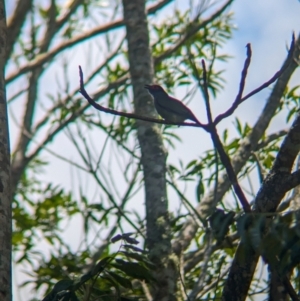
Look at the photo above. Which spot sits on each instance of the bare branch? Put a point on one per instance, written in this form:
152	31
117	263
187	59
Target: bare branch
247	146
239	99
19	159
45	57
291	57
269	196
72	8
90	167
199	285
291	291
17	94
129	115
271	138
292	180
15	23
219	146
64	102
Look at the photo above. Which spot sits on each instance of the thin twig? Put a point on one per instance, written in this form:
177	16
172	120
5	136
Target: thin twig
239	99
271	138
206	258
43	58
71	96
208	287
189	207
209	114
181	277
44	147
109	195
192	28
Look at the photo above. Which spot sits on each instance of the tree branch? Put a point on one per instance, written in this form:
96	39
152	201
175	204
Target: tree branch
43	58
271	138
19	160
219	146
247	146
190	30
239	99
64	102
15	23
277	183
129	115
270	194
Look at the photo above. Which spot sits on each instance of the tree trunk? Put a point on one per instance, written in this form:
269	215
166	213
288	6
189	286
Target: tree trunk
153	153
5	193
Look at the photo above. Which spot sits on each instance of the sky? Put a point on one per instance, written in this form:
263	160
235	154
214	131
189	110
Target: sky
267	25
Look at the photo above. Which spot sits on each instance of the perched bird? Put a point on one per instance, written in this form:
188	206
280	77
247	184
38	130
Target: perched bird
169	108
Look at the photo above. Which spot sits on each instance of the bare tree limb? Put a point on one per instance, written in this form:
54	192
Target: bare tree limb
218	145
42	58
268	197
15	23
247	146
19	159
128	115
64	102
239	99
292	180
271	138
199	285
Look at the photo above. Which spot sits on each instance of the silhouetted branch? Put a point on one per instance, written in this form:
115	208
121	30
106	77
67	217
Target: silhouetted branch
219	146
130	115
239	99
270	194
247	146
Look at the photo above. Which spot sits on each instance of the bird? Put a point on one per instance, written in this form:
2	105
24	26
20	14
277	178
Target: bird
168	107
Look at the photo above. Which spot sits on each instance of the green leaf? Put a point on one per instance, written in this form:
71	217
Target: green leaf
134	270
121	280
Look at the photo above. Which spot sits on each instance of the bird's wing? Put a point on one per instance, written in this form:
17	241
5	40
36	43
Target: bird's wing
179	108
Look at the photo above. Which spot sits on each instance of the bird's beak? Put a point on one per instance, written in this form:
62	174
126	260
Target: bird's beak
147	87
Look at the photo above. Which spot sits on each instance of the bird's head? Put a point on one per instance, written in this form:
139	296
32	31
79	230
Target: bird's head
154	89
